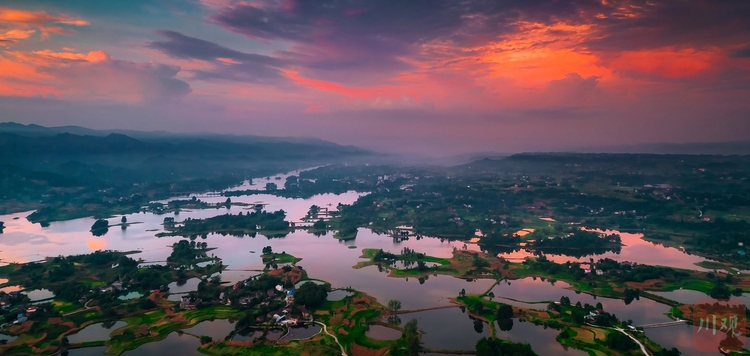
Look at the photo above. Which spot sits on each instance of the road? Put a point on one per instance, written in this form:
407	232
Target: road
643	348
325	329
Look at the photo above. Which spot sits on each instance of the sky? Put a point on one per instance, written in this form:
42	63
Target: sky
425	76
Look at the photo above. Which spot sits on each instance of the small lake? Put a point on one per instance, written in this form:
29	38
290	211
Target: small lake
338	294
174	344
189	285
39	294
462	334
130	295
216	329
95	332
303	332
541	339
247	335
274	334
380	332
7	338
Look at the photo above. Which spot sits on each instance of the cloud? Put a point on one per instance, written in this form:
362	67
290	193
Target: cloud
118	80
573	90
371	43
37	18
231	64
23	19
12	36
90	76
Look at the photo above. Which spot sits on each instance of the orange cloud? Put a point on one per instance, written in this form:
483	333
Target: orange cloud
330	86
37	18
666	62
13	35
22	79
93	56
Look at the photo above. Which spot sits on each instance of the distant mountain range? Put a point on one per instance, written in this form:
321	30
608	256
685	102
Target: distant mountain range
33	130
689	148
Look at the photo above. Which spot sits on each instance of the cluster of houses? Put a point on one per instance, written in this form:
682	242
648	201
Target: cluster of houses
22	312
595	315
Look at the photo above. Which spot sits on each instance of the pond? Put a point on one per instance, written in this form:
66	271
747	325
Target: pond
462	334
274	334
174	344
247	335
130	295
380	332
216	329
338	294
302	332
541	339
39	294
189	285
7	338
95	332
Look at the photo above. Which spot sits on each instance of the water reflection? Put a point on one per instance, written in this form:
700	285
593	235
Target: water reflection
541	338
461	335
174	344
96	332
216	329
636	249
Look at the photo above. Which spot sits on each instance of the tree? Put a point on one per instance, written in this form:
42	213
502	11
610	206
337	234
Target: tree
2	226
320	225
505	311
565	301
124	220
462	293
100	227
145	304
271	186
505	324
620	342
228	203
411	335
394	305
311	295
478	326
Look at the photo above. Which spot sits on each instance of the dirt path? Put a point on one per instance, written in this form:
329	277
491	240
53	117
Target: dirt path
325	329
421	310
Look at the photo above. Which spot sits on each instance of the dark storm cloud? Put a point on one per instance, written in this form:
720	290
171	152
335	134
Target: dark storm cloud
387	29
247	67
694	23
181	46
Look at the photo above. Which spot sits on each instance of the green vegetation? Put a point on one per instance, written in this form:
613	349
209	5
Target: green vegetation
491	347
311	295
235	225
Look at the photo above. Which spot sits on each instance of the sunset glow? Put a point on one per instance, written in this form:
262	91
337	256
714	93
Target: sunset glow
246	63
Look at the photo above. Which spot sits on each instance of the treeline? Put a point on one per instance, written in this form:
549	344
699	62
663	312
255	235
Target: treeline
250	221
579	239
